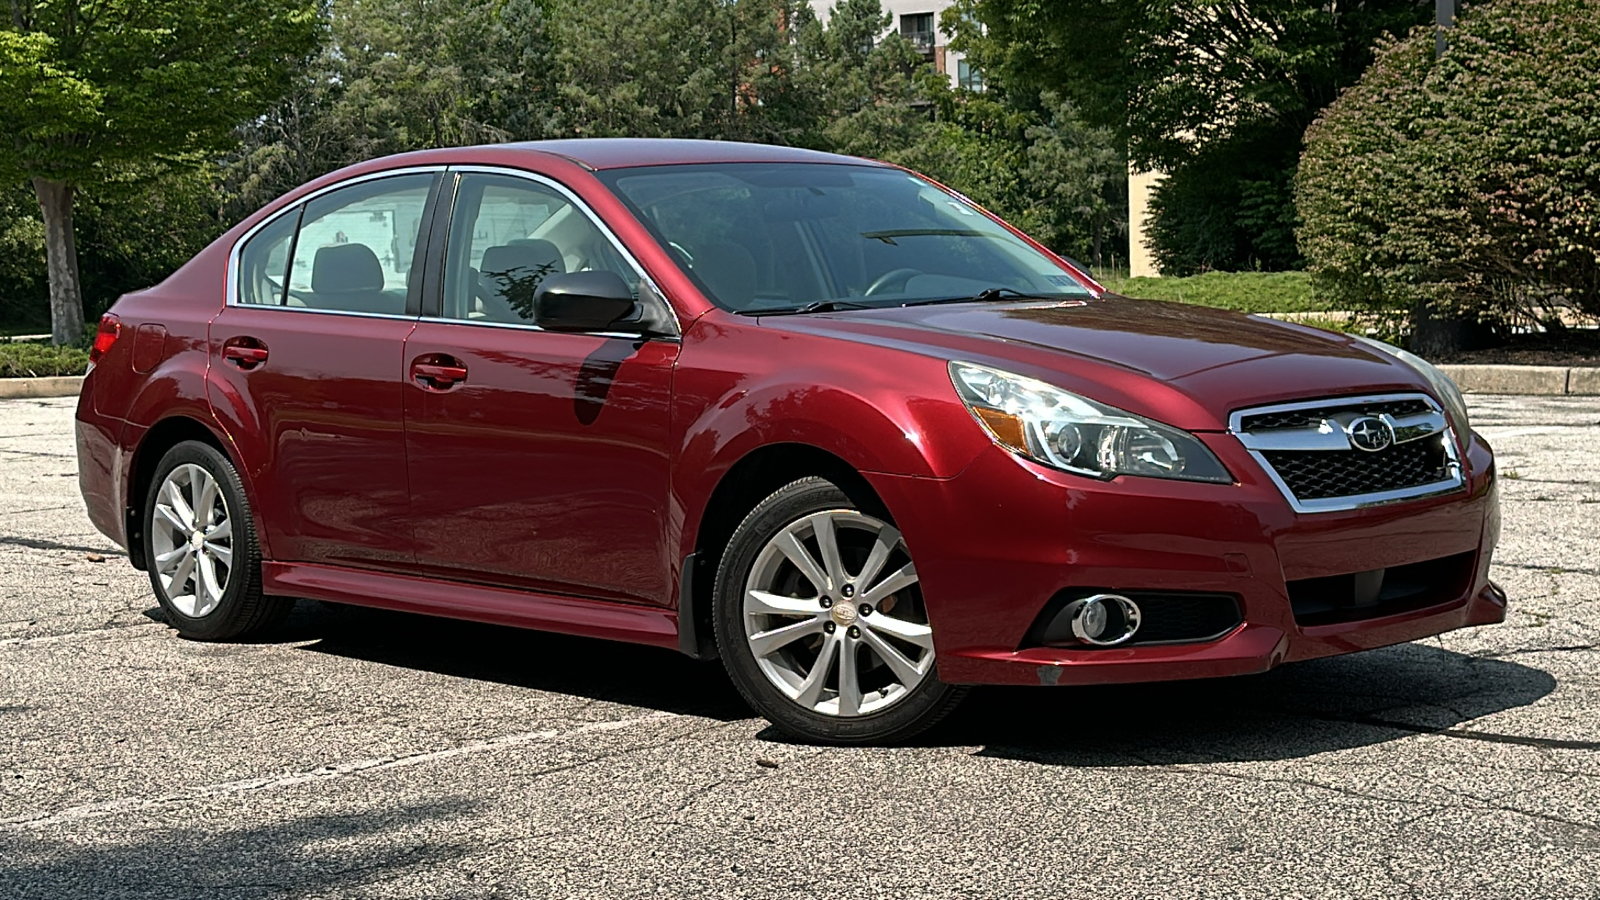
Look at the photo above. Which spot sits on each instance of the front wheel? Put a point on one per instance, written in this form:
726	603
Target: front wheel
200	547
821	624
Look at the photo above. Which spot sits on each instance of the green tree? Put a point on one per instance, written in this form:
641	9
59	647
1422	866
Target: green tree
91	90
1223	88
715	69
398	75
21	261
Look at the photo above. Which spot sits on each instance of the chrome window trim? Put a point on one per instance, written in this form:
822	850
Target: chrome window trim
1255	446
231	296
516	326
599	224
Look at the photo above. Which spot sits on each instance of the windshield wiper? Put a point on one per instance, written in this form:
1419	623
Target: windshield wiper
888	236
987	295
815	306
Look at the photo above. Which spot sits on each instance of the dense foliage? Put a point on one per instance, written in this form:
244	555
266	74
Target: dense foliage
1215	93
119	92
395	75
1466	187
19	360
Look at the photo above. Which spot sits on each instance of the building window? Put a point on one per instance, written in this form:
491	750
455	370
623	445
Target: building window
968	77
918	29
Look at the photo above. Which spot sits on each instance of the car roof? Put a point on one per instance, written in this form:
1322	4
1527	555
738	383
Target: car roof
614	153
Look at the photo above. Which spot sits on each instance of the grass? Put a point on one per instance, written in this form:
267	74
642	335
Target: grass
33	360
1250	292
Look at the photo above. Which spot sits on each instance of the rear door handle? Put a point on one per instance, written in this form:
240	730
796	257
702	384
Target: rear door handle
244	352
438	371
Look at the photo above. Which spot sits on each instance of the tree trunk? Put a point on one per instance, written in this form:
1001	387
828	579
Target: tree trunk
61	254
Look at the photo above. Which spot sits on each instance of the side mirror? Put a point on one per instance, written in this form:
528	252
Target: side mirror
582	301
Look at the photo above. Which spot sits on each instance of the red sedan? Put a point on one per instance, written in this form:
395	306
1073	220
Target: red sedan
813	415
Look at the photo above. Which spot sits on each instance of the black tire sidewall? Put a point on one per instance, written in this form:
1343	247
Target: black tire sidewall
243	592
926	704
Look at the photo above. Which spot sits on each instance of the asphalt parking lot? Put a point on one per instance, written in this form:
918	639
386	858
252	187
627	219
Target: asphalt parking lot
370	754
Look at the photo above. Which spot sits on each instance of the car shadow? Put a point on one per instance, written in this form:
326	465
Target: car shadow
609	671
1294	711
324	855
1297	710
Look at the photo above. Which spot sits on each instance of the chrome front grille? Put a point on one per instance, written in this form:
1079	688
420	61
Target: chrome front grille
1313	415
1328	455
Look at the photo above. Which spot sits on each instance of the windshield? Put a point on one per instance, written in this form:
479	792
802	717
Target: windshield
765	238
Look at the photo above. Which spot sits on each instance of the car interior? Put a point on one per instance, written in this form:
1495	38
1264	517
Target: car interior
770	238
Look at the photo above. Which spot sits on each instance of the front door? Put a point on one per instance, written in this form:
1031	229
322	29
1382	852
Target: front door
308	354
538	460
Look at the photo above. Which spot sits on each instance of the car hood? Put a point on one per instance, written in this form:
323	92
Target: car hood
1186	365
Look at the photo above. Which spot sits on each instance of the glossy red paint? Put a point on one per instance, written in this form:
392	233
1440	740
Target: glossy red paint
547	467
557	481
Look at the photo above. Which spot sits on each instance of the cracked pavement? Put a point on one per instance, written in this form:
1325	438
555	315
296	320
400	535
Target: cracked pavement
369	754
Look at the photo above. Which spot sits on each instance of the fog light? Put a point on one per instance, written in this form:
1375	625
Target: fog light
1103	620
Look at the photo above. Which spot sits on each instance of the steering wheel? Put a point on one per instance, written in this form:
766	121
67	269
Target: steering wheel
687	256
882	282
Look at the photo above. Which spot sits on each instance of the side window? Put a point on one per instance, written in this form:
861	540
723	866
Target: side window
355	244
507	235
264	261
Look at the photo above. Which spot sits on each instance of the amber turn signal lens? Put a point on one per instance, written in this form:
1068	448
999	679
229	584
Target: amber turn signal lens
1007	428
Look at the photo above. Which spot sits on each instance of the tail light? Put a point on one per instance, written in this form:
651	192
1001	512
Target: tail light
106	335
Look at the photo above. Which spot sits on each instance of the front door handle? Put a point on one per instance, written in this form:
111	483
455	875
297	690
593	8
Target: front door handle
244	352
438	371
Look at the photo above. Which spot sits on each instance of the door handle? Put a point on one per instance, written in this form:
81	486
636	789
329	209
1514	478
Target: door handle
244	352
438	372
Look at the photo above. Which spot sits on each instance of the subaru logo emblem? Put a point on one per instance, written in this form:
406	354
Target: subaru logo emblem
1370	434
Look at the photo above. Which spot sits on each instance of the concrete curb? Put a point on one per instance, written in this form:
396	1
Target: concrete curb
19	388
1528	380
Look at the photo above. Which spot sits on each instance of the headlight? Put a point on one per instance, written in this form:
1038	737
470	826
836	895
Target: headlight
1455	405
1076	434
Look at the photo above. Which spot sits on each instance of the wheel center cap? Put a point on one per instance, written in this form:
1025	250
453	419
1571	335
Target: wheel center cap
197	540
844	614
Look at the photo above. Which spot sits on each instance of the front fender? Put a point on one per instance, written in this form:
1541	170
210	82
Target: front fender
901	420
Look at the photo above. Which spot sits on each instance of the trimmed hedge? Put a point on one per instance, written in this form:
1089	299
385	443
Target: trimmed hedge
22	360
1467	187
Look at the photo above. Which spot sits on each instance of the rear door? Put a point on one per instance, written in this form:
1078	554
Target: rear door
539	460
307	354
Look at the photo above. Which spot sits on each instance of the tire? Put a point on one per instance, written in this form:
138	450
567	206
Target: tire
798	623
210	586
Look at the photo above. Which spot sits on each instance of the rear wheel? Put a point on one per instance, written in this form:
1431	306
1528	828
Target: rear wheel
200	546
821	624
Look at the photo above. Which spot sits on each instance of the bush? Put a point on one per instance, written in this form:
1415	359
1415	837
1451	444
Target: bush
20	360
1465	188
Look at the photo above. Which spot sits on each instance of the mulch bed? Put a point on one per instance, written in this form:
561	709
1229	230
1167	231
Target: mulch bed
1574	348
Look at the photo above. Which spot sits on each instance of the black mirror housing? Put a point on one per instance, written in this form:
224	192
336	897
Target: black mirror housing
582	301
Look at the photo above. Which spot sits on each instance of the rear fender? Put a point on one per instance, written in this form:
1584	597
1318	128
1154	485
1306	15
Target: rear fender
178	389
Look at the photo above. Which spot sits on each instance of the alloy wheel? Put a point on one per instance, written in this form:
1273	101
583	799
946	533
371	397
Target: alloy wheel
192	539
834	617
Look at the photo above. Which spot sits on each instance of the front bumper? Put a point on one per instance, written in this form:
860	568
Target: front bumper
994	544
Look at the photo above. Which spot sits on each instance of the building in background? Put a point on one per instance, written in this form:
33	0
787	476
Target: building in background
1141	262
918	22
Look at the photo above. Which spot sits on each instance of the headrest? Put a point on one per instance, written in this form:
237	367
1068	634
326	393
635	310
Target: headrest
528	254
345	267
